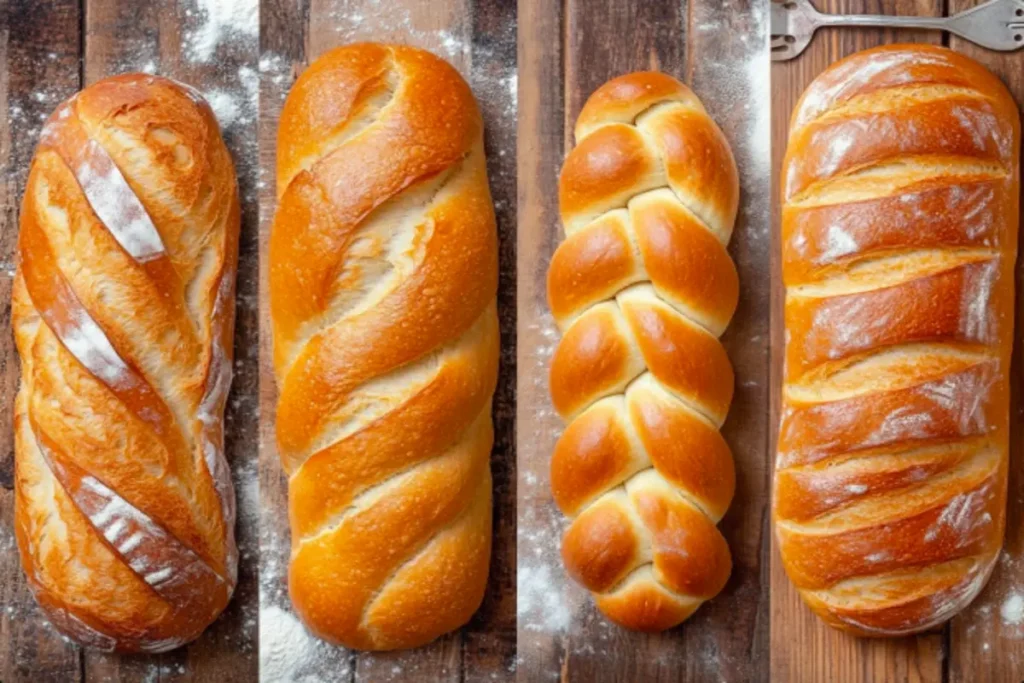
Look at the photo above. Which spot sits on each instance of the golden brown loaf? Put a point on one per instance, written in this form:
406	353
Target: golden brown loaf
123	312
383	277
641	288
899	233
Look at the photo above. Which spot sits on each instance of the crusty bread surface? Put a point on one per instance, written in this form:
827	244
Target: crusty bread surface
900	211
123	314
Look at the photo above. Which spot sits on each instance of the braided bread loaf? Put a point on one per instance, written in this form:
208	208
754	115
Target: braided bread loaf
123	312
383	281
641	288
899	234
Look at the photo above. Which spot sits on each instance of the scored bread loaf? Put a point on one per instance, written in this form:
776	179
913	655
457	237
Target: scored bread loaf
900	192
383	283
123	313
641	288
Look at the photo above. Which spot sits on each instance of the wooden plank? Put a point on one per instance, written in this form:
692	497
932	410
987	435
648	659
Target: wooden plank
178	40
40	49
479	41
566	53
544	605
803	649
489	640
987	639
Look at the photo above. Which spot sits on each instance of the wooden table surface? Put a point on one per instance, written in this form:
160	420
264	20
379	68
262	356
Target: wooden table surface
978	644
566	50
479	38
48	51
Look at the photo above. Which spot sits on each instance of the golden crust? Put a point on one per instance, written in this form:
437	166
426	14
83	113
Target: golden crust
642	287
900	206
383	275
123	313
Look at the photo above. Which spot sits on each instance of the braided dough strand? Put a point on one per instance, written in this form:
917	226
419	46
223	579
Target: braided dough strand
642	287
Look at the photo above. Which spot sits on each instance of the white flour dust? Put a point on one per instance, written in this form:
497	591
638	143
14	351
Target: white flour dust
219	21
380	15
1012	610
238	104
290	654
225	106
539	596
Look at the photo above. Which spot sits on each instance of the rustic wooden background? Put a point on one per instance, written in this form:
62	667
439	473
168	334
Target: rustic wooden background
566	50
48	51
978	645
479	38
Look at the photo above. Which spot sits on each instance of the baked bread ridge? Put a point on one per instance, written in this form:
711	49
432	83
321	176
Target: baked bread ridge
383	285
900	210
641	289
123	313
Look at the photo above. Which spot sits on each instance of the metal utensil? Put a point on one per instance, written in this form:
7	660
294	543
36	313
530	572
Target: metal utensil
997	25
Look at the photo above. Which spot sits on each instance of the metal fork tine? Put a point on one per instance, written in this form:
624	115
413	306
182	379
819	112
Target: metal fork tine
779	18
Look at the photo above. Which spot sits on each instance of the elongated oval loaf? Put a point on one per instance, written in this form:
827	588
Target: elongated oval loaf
899	234
383	277
123	312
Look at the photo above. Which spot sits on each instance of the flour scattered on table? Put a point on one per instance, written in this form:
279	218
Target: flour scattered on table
276	70
238	105
381	15
1012	610
544	602
452	44
538	596
512	83
219	21
224	106
290	654
250	79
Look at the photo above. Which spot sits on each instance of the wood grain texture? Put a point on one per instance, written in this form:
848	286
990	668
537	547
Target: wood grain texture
565	53
977	645
479	39
51	50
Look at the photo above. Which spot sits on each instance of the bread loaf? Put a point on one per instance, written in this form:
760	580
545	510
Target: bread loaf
900	192
383	280
641	288
123	312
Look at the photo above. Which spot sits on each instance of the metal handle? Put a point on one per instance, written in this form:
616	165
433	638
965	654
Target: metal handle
876	20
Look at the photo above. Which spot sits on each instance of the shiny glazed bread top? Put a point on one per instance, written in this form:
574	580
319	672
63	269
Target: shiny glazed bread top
641	288
383	277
